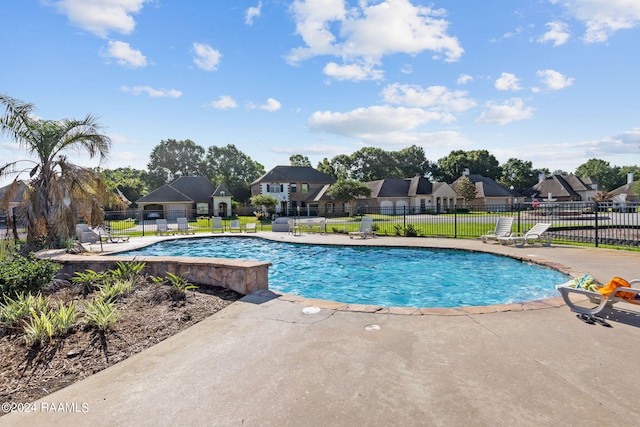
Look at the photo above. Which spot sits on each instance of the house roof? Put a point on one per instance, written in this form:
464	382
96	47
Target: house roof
626	189
17	196
408	187
220	189
197	188
486	187
186	189
562	186
295	174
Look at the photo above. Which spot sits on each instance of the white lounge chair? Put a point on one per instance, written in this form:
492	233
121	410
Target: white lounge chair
536	234
250	227
162	227
366	228
216	224
107	235
620	294
183	226
234	225
85	234
503	229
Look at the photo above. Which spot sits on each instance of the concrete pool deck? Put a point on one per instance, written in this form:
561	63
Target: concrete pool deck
264	361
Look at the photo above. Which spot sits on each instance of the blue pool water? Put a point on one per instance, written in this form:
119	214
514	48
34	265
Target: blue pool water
400	277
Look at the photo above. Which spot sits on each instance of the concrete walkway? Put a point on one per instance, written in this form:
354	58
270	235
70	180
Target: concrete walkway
268	361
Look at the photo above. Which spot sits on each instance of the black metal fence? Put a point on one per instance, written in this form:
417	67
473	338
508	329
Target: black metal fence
589	223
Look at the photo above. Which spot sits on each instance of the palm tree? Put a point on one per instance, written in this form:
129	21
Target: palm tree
58	192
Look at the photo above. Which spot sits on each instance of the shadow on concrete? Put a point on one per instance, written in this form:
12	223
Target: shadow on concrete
628	317
260	297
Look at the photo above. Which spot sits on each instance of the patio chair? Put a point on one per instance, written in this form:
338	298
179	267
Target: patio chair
162	227
85	234
366	228
216	224
107	235
250	227
183	226
503	229
617	290
234	226
536	234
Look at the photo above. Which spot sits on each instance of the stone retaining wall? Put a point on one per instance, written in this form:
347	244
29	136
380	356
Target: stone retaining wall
243	276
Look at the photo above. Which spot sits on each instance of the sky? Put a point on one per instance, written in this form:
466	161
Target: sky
554	82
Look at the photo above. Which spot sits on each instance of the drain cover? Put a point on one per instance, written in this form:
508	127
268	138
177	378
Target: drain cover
311	310
372	328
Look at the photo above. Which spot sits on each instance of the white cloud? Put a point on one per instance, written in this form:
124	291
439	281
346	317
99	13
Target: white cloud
252	13
125	55
554	80
207	58
352	72
224	102
369	121
437	98
101	17
153	93
507	81
463	79
621	149
623	143
368	32
604	17
271	105
558	33
507	112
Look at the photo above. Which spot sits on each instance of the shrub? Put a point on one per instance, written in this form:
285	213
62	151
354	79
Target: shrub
89	280
64	317
38	329
25	274
128	270
101	314
14	310
111	292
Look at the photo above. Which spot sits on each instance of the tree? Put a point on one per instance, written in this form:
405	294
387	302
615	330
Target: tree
131	182
623	174
371	164
348	190
231	167
601	172
172	159
412	161
299	160
519	173
58	192
466	189
478	162
338	168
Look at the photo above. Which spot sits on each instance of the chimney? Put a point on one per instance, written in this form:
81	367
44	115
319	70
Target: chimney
465	172
540	177
629	177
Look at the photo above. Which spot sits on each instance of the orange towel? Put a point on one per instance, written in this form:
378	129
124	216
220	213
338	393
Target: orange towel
618	282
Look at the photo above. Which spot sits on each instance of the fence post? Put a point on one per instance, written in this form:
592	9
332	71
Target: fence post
595	221
404	217
518	213
455	222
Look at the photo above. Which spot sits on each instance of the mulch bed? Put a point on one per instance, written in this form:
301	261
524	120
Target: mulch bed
148	316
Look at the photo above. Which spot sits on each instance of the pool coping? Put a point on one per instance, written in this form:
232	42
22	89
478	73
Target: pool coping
417	242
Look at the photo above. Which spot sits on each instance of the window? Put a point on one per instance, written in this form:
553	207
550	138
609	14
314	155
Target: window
274	188
305	188
294	187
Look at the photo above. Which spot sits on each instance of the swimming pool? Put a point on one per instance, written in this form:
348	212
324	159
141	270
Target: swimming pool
384	276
